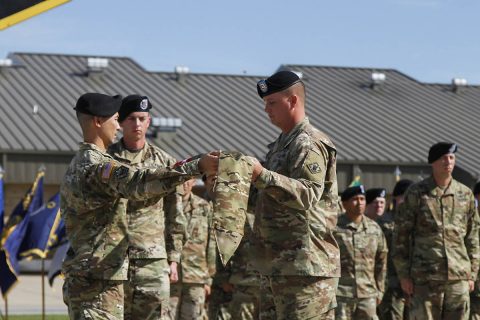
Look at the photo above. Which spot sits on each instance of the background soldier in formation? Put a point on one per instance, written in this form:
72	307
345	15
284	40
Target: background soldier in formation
363	256
197	263
95	214
154	224
295	208
437	241
393	306
376	203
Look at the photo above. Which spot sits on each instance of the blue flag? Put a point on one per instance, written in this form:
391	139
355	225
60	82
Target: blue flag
2	201
31	201
9	267
42	228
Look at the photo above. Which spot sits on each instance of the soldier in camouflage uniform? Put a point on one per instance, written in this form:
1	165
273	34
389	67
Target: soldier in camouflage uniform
295	201
197	263
437	242
393	306
363	255
148	285
95	214
475	295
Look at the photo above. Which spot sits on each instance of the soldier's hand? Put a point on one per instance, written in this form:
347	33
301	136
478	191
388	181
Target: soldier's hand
471	284
208	290
407	285
227	287
208	163
257	168
173	272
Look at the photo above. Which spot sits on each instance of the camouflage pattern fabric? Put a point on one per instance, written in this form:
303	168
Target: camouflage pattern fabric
298	297
295	206
363	252
356	309
157	223
393	303
393	306
147	290
90	299
231	201
445	300
187	301
437	233
197	263
245	302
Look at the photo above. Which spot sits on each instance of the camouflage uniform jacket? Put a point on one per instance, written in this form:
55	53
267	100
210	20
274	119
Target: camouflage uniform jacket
95	214
387	223
197	264
363	254
296	206
149	219
436	235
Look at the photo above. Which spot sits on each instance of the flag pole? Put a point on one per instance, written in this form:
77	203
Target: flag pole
43	289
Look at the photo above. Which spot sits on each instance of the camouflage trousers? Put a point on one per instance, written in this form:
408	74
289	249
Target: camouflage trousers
147	290
245	303
356	308
92	299
474	308
218	302
297	297
435	300
187	301
393	305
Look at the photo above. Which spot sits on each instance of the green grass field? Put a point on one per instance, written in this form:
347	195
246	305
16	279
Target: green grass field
36	317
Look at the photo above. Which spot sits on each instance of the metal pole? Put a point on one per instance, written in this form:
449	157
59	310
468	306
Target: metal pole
6	308
43	289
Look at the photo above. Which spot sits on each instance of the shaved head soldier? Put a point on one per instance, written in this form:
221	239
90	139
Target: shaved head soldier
295	209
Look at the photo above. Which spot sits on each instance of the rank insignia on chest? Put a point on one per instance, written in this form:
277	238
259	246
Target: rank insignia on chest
314	167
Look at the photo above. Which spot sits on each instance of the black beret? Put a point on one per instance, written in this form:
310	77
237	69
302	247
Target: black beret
277	82
439	149
476	189
352	191
375	193
401	186
98	104
133	103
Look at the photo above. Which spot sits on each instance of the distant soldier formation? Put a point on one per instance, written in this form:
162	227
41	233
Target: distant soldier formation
267	240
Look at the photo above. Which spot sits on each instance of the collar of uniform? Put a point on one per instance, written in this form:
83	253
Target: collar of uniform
436	191
89	146
285	139
119	151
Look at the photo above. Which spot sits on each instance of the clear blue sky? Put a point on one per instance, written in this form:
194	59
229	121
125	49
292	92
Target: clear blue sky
429	40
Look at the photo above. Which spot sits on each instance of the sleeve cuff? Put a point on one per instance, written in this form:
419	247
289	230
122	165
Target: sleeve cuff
263	179
174	257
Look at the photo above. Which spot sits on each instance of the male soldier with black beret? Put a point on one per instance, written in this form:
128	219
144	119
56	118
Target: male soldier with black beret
95	214
436	241
376	201
363	255
157	226
295	208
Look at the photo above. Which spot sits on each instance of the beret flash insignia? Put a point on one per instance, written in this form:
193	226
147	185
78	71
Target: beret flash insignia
144	104
262	85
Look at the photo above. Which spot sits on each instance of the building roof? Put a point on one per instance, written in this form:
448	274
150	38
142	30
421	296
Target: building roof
391	123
